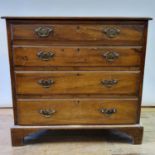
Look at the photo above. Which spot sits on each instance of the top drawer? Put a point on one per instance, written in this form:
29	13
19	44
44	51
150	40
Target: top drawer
126	34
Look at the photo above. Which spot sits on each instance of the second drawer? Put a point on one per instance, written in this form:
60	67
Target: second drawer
77	82
74	56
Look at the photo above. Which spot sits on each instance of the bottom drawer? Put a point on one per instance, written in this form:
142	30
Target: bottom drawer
77	111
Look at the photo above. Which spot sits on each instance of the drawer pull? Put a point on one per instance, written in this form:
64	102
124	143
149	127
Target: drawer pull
109	83
45	56
47	112
43	31
108	112
45	83
111	56
111	32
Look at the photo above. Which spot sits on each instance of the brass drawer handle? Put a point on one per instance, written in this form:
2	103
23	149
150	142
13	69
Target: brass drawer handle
45	83
111	56
111	32
108	112
47	112
43	31
109	83
45	56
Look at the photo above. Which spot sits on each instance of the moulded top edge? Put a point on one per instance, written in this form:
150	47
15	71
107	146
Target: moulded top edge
74	18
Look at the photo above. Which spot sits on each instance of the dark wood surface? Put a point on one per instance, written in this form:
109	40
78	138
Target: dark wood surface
77	111
75	18
19	132
76	56
129	33
77	69
78	82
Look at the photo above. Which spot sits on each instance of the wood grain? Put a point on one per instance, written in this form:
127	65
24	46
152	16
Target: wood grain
76	56
77	82
77	69
80	33
97	141
77	111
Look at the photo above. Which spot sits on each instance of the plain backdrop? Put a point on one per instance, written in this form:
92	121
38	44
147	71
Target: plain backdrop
138	8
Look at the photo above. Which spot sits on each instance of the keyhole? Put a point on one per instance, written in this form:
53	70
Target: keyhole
77	102
78	27
78	50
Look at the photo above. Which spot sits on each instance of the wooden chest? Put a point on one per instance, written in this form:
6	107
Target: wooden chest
76	73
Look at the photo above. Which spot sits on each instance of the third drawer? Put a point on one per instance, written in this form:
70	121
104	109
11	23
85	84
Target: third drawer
77	82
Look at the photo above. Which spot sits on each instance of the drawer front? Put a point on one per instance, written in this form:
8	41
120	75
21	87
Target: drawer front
84	111
71	56
106	33
78	82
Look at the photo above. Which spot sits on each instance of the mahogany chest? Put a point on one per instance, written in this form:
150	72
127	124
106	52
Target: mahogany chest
76	73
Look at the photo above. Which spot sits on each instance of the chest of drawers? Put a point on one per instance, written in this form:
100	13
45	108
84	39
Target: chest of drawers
76	73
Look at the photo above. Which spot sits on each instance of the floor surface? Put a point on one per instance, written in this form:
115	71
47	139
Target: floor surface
105	144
